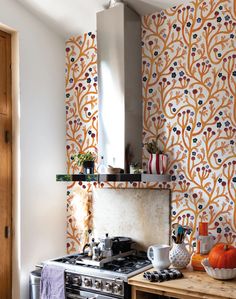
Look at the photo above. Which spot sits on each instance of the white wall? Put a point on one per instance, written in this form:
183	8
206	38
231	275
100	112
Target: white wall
40	218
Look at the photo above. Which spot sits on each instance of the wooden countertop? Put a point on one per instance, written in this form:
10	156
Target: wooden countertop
194	284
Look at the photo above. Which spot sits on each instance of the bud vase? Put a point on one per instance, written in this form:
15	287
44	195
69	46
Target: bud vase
179	256
157	164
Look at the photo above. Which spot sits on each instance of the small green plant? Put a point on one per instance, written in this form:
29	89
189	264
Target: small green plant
81	158
152	146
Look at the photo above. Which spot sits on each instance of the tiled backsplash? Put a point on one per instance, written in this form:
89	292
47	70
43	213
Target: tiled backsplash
189	96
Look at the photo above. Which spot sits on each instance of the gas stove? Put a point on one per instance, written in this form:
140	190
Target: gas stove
122	266
84	280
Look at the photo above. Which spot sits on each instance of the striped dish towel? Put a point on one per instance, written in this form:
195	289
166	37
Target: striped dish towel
162	275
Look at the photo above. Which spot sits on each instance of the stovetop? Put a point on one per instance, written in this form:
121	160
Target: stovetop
123	267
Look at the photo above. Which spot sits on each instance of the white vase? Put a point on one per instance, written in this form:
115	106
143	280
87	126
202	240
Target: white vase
179	256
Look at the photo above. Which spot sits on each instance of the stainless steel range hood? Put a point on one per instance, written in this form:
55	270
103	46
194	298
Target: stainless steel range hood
120	90
120	96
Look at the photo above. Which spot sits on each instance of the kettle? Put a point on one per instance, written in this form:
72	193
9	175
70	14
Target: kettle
90	247
106	246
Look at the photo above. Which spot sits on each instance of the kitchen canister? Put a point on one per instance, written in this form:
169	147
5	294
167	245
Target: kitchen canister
179	256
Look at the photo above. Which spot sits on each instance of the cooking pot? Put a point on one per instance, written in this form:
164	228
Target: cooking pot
121	244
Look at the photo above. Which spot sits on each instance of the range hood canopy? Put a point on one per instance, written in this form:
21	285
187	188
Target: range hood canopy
120	86
120	96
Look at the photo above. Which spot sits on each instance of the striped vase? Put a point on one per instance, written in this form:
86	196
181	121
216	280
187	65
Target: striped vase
157	164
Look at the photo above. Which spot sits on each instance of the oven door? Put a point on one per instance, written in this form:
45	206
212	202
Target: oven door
86	295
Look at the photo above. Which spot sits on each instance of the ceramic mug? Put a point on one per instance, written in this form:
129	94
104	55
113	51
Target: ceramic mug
159	256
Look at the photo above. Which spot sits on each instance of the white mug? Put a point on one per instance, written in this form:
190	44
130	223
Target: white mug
159	256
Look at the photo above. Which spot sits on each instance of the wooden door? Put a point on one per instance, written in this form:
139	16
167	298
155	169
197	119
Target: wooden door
5	166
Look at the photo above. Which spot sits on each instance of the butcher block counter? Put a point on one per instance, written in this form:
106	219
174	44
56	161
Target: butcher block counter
194	284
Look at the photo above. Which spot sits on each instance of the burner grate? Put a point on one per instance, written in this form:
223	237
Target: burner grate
124	265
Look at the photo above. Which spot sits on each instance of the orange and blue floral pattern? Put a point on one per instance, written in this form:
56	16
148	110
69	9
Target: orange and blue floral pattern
81	130
189	98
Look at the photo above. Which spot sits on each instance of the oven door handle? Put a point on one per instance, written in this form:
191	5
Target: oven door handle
74	296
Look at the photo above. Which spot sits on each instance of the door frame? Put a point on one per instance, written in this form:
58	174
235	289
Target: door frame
6	117
16	206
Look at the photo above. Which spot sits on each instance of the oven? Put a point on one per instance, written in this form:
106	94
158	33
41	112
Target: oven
86	278
95	287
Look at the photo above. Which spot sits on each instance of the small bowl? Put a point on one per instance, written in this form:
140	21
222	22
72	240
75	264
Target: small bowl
221	274
113	170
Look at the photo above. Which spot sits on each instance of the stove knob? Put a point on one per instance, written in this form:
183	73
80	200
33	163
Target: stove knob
68	279
97	284
87	282
117	288
76	280
108	287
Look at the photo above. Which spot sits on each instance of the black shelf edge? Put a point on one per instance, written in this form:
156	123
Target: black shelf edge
120	177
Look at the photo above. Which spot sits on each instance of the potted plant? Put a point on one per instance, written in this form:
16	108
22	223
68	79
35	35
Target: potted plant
85	160
157	163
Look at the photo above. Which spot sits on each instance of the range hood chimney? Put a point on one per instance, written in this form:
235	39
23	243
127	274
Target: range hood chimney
120	85
114	3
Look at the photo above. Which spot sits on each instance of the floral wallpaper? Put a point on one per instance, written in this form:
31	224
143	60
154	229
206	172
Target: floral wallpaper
81	130
189	98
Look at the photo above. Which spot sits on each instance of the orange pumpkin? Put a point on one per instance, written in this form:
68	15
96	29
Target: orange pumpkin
222	256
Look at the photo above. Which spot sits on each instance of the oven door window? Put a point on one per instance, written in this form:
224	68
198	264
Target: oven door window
86	295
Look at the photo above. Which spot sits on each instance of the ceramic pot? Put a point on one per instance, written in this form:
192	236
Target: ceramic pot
157	164
179	256
88	167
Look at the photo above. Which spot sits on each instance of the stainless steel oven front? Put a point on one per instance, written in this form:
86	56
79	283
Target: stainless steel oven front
80	286
87	295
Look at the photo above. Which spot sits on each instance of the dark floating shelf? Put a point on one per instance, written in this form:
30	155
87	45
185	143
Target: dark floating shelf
120	177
